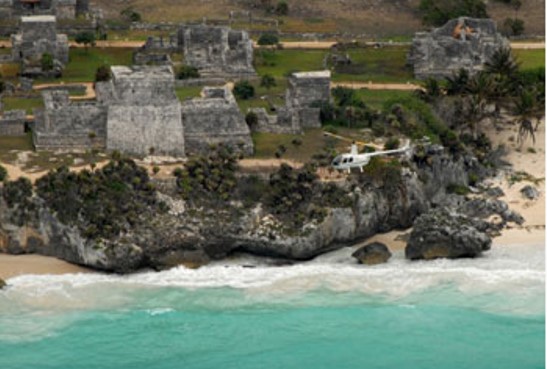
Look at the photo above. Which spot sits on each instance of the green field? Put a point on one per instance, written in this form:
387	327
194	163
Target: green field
185	93
24	103
83	65
376	98
530	59
281	63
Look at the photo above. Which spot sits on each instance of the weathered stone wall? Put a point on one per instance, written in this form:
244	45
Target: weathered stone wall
12	123
305	92
65	9
38	35
62	9
67	124
217	50
144	113
215	119
461	43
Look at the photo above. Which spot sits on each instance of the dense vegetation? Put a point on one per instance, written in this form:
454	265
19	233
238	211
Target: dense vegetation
102	203
438	12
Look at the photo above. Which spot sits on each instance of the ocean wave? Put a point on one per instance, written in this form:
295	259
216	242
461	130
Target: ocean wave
514	274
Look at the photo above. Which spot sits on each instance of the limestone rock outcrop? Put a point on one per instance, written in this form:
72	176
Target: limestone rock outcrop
461	43
372	254
442	233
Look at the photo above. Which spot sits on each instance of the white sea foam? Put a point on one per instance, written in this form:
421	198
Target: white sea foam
516	273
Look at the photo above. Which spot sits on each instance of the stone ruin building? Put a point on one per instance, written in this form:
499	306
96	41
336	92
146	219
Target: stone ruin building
461	43
217	50
215	118
306	92
12	123
144	115
62	9
38	36
137	112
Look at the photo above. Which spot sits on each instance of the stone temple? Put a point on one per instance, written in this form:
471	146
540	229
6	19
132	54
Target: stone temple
62	9
306	92
38	36
461	43
137	112
217	51
144	112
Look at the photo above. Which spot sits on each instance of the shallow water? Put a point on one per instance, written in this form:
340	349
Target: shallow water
327	313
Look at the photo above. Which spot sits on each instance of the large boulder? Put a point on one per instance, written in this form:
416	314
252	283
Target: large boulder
530	192
2	283
372	254
441	233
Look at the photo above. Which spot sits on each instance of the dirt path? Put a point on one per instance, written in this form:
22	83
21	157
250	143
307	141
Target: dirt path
285	45
377	86
89	90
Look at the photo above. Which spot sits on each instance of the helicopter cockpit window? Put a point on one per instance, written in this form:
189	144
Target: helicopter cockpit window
336	160
351	160
345	160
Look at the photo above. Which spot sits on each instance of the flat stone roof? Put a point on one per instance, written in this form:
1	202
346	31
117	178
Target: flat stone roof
313	74
38	18
141	72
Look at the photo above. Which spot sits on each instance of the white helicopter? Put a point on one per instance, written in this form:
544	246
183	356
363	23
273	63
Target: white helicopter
356	160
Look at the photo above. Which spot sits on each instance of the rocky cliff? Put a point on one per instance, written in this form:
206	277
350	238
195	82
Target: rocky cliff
192	235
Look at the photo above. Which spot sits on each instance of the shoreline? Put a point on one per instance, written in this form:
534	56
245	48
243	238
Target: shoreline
33	264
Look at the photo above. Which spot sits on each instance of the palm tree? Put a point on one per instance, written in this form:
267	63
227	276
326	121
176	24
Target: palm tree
526	107
457	84
502	63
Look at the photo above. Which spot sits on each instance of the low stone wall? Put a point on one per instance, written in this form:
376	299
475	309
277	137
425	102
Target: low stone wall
12	123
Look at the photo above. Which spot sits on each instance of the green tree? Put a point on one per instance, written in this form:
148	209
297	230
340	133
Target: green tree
252	120
47	62
85	38
282	8
267	81
438	12
3	173
187	72
268	39
103	73
131	15
244	90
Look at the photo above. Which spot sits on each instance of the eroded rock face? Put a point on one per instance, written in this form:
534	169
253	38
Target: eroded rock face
461	43
372	254
444	234
529	192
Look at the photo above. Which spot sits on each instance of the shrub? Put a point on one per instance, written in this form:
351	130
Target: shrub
512	27
267	81
3	173
46	62
131	15
187	72
17	195
438	12
282	8
103	74
392	144
85	38
252	120
243	90
268	39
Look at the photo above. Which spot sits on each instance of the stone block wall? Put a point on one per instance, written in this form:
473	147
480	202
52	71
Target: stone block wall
461	43
215	119
37	36
67	124
217	50
12	123
143	111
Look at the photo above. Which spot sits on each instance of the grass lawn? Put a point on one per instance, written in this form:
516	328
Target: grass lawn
281	63
83	65
184	93
27	104
264	97
530	59
386	64
376	98
9	145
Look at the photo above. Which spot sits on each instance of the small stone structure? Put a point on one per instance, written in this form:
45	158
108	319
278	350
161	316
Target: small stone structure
306	92
216	51
62	9
212	119
66	124
144	115
461	43
12	123
38	36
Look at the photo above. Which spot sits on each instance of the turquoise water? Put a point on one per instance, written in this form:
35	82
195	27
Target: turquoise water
483	313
